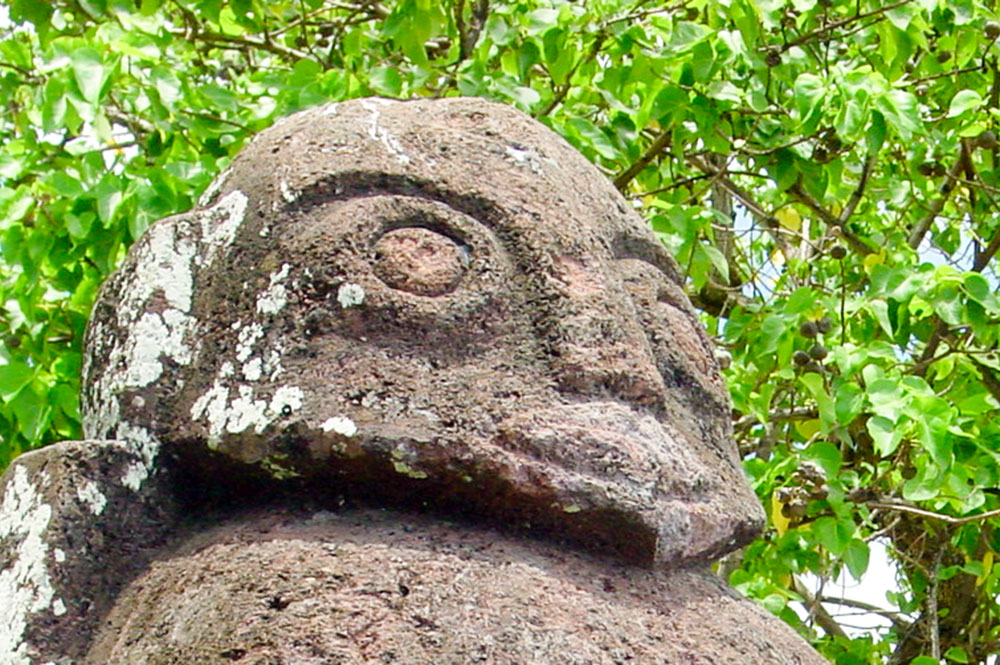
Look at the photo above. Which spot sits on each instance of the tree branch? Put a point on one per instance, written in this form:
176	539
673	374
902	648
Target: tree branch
659	144
896	619
829	218
913	510
769	222
819	32
920	230
859	191
817	611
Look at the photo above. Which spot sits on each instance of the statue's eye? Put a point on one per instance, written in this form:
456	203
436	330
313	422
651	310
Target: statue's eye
420	261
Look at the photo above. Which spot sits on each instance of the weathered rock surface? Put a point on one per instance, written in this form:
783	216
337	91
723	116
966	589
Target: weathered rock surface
74	528
380	587
437	306
435	302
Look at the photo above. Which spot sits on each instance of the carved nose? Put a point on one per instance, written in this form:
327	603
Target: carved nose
599	345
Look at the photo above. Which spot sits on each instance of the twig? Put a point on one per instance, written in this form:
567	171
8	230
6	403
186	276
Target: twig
563	89
932	607
859	191
894	617
778	415
817	611
768	220
819	32
829	218
659	144
922	226
913	510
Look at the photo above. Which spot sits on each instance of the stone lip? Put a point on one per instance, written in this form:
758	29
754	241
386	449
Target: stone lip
550	371
376	586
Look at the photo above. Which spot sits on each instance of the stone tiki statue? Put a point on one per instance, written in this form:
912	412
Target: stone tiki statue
414	385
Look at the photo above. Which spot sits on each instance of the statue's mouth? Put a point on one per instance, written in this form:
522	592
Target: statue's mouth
613	444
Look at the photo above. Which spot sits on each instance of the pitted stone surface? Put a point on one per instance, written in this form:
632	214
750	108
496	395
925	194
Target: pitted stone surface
428	302
72	533
365	587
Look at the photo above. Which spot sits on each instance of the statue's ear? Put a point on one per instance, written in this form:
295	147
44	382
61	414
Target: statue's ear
75	526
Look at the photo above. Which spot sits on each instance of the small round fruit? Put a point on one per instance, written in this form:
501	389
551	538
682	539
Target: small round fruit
795	508
820	493
773	57
801	358
824	325
944	56
809	329
838	251
909	472
813	367
992	29
987	140
818	352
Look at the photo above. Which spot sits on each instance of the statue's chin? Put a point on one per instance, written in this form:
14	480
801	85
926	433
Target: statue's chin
375	586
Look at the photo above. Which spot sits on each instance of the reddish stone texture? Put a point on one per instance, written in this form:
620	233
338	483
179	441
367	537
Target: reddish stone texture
436	306
381	587
431	302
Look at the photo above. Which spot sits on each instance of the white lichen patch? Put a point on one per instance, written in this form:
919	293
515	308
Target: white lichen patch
253	369
58	607
145	446
340	425
25	584
214	188
525	157
287	193
162	271
90	495
350	295
152	337
245	410
381	134
220	223
275	296
245	340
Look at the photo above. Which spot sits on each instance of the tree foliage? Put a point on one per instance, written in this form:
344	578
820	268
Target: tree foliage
826	172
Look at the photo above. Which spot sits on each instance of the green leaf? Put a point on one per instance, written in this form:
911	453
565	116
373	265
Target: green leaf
595	137
14	376
814	383
717	259
685	35
33	11
978	288
886	398
884	434
386	81
901	111
88	71
809	92
964	100
32	412
875	136
856	558
957	654
541	20
832	534
849	402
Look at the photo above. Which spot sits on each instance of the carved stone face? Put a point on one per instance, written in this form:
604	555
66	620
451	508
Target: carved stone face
428	301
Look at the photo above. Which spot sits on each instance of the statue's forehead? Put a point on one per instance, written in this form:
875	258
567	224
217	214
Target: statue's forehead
523	183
